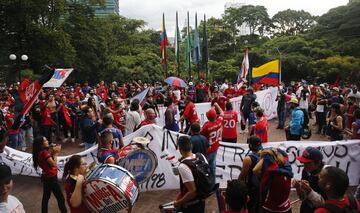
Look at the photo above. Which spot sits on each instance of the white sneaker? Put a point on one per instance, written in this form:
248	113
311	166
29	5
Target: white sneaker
82	144
23	149
64	140
72	140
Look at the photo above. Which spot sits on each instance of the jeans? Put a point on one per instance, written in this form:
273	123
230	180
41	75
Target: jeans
16	141
89	145
244	119
281	117
212	163
27	135
52	185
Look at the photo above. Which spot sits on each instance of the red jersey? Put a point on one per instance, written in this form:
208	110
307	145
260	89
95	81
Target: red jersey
212	131
340	203
47	170
221	101
146	122
241	92
229	125
190	113
46	117
277	198
69	189
261	130
230	92
9	123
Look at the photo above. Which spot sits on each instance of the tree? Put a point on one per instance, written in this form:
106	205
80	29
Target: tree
292	22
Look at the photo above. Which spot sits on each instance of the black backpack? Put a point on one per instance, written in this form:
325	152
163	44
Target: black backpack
204	180
352	208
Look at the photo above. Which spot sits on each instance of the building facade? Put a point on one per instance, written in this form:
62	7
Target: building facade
110	7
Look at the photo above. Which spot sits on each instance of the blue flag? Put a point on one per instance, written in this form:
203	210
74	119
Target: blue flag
196	43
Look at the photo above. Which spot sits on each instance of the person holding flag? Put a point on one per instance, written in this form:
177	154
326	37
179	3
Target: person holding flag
244	68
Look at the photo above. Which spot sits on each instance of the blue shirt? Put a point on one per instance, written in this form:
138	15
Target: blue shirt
117	135
296	121
199	143
89	129
103	154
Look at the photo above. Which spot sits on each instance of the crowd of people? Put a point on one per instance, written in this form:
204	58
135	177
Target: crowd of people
102	114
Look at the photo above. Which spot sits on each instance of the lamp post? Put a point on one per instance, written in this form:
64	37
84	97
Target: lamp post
23	58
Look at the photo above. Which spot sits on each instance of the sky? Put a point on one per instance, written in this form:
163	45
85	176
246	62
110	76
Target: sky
151	10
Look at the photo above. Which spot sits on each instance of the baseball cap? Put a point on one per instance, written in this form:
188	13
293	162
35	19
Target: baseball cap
294	101
191	83
5	173
310	154
211	114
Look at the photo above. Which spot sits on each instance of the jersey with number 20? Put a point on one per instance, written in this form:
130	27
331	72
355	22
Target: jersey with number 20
213	131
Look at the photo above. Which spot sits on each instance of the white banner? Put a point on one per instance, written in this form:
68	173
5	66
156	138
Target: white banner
343	154
60	75
265	98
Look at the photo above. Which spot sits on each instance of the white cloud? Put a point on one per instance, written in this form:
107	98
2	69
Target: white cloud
151	10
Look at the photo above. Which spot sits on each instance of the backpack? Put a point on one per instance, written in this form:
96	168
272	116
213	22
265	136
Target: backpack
204	180
352	208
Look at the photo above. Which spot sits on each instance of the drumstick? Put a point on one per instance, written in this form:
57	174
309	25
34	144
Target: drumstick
295	201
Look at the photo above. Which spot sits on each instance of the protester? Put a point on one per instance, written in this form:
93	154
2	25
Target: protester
200	143
334	182
133	119
293	131
229	133
281	108
150	116
261	126
108	120
105	152
308	187
170	113
236	197
355	126
15	138
89	127
335	123
8	203
46	158
187	201
74	173
247	175
212	131
190	114
275	175
245	107
3	140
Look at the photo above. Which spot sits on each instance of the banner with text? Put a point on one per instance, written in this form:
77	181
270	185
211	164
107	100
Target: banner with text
59	77
343	154
266	99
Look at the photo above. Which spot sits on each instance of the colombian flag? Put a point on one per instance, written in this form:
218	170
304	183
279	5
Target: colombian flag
267	74
164	41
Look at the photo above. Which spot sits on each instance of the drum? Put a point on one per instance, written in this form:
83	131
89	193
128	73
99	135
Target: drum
138	161
110	188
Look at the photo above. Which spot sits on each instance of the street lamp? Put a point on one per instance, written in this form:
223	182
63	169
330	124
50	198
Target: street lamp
23	58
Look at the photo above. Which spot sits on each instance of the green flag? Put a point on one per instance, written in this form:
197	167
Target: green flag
177	41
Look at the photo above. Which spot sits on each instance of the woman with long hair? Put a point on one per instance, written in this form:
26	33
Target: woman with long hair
46	159
74	172
336	123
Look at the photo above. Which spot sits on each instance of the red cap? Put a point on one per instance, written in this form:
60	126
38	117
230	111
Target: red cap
211	114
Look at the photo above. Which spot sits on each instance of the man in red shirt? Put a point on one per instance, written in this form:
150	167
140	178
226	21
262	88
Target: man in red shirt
190	114
212	130
15	138
241	91
334	182
230	91
229	133
220	100
261	126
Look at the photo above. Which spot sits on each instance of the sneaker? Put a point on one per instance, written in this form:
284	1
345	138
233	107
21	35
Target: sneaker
82	144
23	149
72	140
64	140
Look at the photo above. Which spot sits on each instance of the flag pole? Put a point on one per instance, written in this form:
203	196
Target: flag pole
177	46
188	43
206	57
165	65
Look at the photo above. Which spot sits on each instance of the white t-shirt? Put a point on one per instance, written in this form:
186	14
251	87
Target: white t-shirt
185	171
223	87
177	93
132	120
13	205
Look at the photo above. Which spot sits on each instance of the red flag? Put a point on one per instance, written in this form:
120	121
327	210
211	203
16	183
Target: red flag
25	99
337	82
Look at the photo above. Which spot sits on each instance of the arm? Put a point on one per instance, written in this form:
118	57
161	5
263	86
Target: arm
110	160
168	118
258	167
354	129
245	170
339	125
190	194
76	196
218	109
